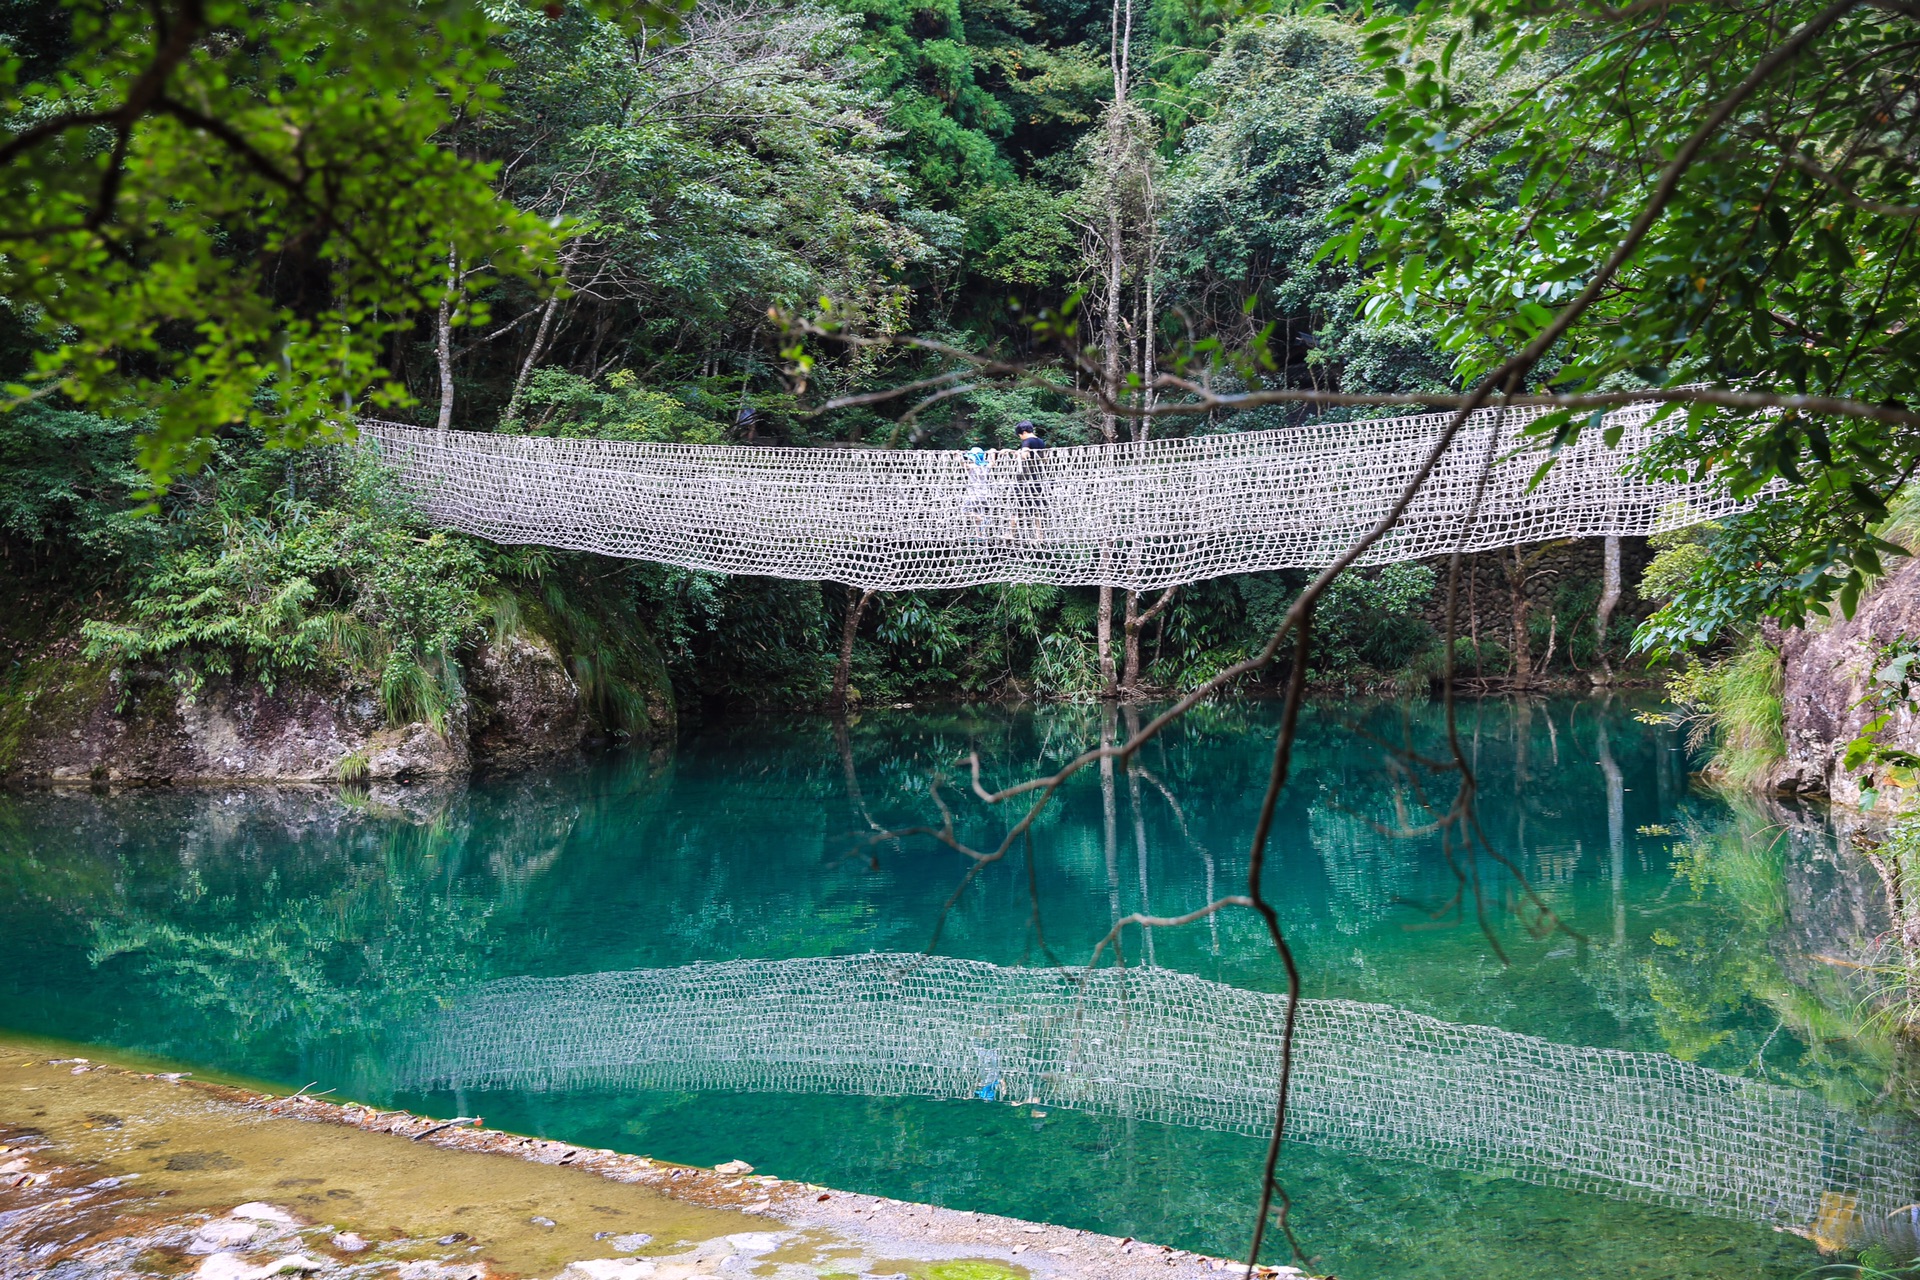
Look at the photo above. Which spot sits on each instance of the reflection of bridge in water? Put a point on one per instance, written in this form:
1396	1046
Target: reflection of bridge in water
1169	1047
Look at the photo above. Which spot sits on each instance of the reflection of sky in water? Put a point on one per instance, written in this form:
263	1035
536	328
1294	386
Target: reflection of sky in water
289	935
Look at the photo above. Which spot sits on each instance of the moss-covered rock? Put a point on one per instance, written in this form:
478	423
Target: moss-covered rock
69	719
525	706
66	718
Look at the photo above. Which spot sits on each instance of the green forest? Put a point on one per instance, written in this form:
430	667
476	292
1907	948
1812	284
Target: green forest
655	224
240	240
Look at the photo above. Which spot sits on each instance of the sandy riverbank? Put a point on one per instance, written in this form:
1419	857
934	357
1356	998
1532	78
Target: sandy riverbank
108	1171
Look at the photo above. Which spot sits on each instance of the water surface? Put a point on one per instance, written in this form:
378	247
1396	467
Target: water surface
304	937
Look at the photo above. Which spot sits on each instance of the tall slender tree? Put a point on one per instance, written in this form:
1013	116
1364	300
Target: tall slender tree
1119	219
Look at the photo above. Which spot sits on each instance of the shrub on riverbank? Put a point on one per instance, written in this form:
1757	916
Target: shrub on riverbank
1733	705
262	576
299	595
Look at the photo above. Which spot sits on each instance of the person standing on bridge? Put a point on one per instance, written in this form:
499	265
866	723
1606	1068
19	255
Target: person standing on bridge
1029	488
978	503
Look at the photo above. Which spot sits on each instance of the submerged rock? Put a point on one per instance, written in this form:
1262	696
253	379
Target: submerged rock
611	1269
231	1266
222	1234
258	1211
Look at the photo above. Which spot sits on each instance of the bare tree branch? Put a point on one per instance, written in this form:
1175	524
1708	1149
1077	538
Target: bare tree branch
1203	401
1112	936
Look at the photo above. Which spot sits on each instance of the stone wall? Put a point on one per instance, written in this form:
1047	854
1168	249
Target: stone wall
1483	586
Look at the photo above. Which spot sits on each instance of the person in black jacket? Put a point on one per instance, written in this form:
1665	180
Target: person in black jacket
1030	489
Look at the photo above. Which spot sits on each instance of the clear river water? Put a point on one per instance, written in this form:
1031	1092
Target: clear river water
361	942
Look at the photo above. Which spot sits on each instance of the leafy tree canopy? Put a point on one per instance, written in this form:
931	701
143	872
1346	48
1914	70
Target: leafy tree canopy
216	210
1679	193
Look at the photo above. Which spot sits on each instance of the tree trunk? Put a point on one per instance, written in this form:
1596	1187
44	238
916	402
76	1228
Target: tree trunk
1104	631
1473	614
1522	649
1143	426
1117	160
849	629
1110	358
1522	742
1609	597
1119	54
1109	814
1149	319
1132	723
1136	621
603	324
443	340
1616	828
534	352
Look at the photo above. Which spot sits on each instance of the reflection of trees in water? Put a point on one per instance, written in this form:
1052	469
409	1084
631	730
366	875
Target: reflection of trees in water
193	897
292	921
781	788
311	964
1367	876
1788	914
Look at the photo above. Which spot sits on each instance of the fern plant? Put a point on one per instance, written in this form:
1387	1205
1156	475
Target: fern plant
267	578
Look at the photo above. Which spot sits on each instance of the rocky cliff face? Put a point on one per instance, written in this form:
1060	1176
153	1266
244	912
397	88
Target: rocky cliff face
75	721
1825	674
526	706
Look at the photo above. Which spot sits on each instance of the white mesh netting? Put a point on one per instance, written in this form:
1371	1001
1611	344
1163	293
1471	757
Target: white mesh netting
1138	516
1168	1047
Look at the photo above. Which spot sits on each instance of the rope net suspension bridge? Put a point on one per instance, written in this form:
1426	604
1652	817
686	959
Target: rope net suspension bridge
1139	516
1157	1045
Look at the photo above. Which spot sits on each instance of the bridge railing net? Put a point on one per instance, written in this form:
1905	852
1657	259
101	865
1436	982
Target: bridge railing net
1139	516
1169	1047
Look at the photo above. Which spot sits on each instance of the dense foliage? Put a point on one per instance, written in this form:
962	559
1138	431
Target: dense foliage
1768	154
281	579
601	213
201	204
918	166
1257	193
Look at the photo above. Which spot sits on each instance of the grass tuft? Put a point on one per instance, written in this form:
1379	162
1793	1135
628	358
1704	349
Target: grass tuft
1735	705
354	767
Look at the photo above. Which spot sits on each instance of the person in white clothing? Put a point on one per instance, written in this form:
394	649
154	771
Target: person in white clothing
977	505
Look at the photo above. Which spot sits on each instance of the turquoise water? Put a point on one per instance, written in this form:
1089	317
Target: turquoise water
305	937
